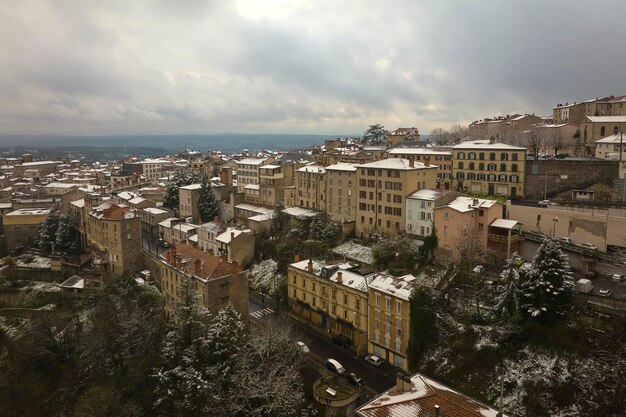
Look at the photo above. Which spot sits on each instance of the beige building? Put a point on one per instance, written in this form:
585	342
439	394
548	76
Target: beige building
217	281
490	168
594	128
331	297
234	243
310	185
174	230
188	202
248	171
389	311
251	193
113	235
442	159
150	219
382	189
611	147
341	189
403	134
20	226
273	179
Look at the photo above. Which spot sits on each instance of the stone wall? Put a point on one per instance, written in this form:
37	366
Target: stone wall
566	174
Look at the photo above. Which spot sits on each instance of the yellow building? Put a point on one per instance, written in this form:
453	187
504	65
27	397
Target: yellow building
20	226
594	128
188	201
489	168
443	160
382	188
113	235
403	134
331	297
341	186
389	311
311	187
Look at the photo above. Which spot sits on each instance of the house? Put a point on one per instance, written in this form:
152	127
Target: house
442	159
188	202
248	171
420	209
310	185
341	189
174	230
20	226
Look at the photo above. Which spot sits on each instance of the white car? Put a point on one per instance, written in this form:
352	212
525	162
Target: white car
617	278
605	292
544	203
588	246
304	348
374	360
564	239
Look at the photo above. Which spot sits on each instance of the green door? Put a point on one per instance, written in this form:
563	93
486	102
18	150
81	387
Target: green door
491	190
513	192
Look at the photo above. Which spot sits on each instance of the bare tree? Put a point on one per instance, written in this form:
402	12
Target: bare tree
469	246
534	142
439	135
556	141
458	131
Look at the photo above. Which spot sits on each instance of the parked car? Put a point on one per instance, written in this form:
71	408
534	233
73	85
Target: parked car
335	366
564	239
354	379
304	348
341	340
592	273
544	203
618	278
587	245
373	360
605	292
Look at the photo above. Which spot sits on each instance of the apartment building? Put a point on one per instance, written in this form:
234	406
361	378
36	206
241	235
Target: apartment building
594	128
113	235
420	209
20	226
490	168
341	189
188	202
442	159
217	281
389	310
150	218
272	181
310	185
382	189
504	128
248	171
403	134
575	113
175	231
235	243
611	147
331	297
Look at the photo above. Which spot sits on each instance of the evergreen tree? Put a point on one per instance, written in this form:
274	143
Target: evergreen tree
376	135
66	240
331	232
547	285
47	232
427	250
207	203
421	324
508	302
316	229
181	178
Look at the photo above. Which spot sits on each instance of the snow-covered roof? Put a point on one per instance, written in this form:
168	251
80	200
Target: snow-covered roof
486	144
395	163
254	209
262	217
252	187
78	203
607	119
505	224
331	272
429	194
300	212
191	187
342	166
230	233
61	185
137	200
73	282
214	227
30	212
154	210
270	166
315	169
617	138
464	204
417	151
400	287
251	161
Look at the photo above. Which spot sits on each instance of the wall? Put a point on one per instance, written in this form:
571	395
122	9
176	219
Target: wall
565	174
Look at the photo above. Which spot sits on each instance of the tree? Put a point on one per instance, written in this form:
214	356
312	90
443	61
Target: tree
375	135
47	232
439	135
556	141
398	254
508	302
546	287
181	178
264	278
458	131
534	143
207	203
427	250
66	239
469	246
421	324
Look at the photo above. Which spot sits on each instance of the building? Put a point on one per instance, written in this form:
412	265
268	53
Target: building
150	218
188	202
403	134
442	159
575	113
272	183
175	231
251	193
594	128
464	223
235	243
331	297
559	139
420	396
388	310
248	171
489	168
310	185
20	226
207	234
341	189
382	189
611	147
420	209
113	235
217	281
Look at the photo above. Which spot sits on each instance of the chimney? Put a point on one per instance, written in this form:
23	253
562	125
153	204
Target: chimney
197	265
436	410
427	161
339	277
411	163
216	219
173	251
296	258
232	236
179	260
492	140
475	202
403	382
309	266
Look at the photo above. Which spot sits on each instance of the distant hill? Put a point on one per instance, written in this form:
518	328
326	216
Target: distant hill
226	142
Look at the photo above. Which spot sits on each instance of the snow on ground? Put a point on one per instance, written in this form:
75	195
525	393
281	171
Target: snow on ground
44	286
13	327
32	261
355	251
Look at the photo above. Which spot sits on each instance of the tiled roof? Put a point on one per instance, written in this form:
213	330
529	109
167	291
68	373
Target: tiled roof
210	266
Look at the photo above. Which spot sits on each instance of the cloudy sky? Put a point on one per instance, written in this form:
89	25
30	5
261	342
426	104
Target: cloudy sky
297	66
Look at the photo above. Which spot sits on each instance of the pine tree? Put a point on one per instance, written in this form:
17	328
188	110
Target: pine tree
46	233
66	239
181	178
508	302
207	203
547	285
375	135
421	324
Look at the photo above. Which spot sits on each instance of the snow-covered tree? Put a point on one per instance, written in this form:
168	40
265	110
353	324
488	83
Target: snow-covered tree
180	179
509	301
47	232
546	287
376	135
264	278
66	239
207	203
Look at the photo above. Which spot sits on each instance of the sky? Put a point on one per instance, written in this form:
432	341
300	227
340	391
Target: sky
298	66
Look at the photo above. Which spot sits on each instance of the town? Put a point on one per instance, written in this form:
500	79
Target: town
390	273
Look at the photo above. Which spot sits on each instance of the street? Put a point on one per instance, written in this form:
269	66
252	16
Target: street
376	380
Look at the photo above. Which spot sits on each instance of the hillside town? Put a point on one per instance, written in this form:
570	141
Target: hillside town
390	257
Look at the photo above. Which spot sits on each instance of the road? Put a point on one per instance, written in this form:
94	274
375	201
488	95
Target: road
376	380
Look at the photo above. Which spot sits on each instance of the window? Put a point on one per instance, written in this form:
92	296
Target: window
514	167
514	178
461	155
445	215
602	130
388	303
460	165
481	156
471	155
334	309
345	298
377	300
504	156
398	309
502	167
471	165
514	157
492	156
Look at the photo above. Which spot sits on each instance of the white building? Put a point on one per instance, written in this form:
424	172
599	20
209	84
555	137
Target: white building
610	147
248	171
420	209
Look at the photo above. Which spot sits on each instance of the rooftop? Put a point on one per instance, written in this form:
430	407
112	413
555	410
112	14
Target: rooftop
331	272
342	166
486	144
607	119
465	204
251	161
200	264
112	211
395	163
400	287
30	212
417	151
427	194
617	138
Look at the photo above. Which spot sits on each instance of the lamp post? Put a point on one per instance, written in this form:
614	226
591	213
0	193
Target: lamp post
555	221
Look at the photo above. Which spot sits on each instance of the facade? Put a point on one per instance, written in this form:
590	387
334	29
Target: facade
188	202
403	134
442	159
559	138
594	128
175	231
611	147
20	226
248	171
489	168
310	185
150	218
341	189
272	183
420	209
251	193
217	281
389	309
382	189
331	297
113	235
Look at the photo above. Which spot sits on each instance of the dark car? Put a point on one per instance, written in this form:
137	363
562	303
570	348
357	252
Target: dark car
591	274
355	380
341	340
